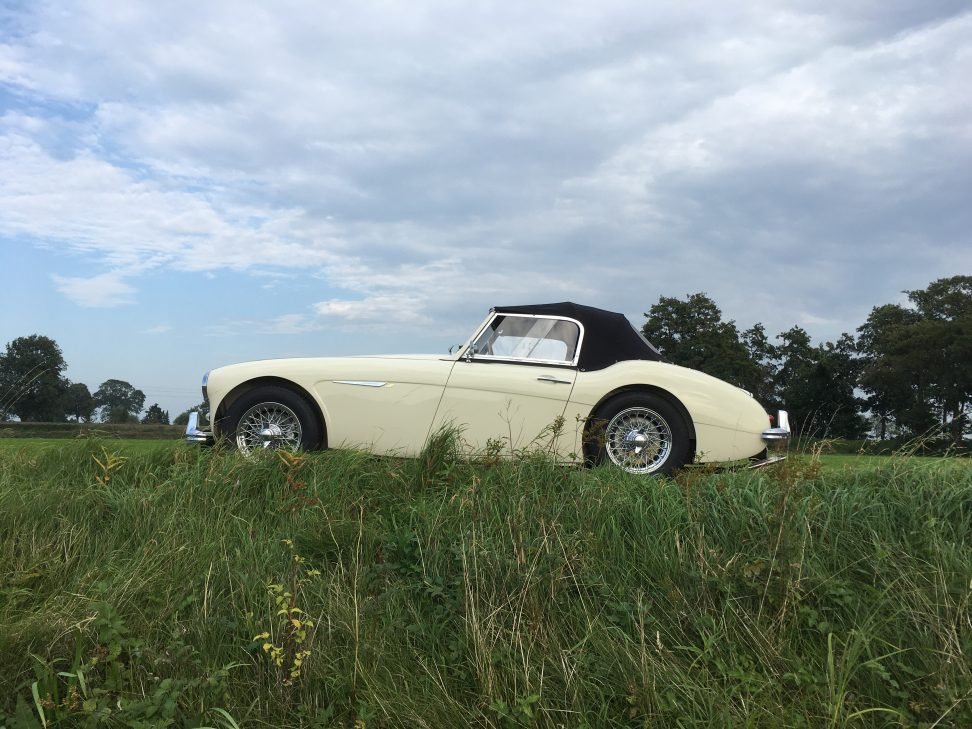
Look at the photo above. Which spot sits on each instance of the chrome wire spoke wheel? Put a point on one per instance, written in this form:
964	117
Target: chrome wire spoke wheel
268	425
638	439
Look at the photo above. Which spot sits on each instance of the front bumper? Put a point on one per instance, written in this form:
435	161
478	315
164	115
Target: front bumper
780	435
195	434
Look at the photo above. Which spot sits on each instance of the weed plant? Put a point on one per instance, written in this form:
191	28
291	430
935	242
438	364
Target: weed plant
184	587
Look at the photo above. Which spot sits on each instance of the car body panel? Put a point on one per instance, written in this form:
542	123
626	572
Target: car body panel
380	404
515	404
727	420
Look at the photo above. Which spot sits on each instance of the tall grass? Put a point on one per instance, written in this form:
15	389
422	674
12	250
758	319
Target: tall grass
162	590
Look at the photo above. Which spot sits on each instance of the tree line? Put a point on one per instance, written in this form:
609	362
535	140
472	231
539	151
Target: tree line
33	388
907	371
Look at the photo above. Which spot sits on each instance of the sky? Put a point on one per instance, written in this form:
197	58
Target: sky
185	185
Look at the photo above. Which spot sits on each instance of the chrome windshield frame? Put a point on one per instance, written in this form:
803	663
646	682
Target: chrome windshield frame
466	354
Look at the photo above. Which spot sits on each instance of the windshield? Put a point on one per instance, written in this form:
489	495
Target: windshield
528	338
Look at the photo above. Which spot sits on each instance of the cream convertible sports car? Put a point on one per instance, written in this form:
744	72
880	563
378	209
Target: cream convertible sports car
525	369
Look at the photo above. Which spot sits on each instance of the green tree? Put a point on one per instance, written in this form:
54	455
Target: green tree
183	417
118	401
156	415
31	383
916	359
79	402
946	331
817	385
893	373
691	333
763	367
794	362
833	383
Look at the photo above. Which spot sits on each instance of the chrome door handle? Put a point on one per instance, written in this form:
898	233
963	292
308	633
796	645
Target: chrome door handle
553	380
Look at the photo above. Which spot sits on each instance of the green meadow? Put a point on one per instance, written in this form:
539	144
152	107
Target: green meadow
149	584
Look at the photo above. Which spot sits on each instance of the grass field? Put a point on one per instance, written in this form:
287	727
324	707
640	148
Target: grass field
127	446
124	446
148	584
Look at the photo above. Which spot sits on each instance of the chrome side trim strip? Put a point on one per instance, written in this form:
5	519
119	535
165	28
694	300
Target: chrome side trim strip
360	383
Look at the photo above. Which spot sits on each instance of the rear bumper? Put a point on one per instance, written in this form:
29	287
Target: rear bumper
195	434
763	462
776	440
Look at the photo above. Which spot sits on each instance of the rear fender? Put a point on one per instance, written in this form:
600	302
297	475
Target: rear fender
590	422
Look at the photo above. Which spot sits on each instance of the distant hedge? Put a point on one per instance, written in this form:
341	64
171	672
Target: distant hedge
914	446
103	430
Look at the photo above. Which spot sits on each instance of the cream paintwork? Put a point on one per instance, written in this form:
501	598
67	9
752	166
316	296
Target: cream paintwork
728	421
392	419
493	400
516	403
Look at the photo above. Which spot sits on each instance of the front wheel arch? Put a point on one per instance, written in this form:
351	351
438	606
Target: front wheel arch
245	387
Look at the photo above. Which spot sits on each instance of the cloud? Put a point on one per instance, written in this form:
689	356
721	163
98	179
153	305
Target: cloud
428	160
90	205
158	329
102	291
374	309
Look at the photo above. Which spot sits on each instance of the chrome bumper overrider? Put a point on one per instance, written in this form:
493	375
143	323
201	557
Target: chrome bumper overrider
776	440
781	433
196	435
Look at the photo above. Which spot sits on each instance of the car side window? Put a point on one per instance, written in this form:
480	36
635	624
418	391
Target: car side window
528	338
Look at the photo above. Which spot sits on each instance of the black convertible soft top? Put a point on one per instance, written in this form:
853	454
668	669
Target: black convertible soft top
608	336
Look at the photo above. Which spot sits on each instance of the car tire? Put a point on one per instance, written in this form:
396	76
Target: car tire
272	417
641	432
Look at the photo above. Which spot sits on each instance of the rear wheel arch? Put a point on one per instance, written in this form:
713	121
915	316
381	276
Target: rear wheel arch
250	385
590	444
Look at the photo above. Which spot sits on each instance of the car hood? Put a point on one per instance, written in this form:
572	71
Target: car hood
343	358
309	372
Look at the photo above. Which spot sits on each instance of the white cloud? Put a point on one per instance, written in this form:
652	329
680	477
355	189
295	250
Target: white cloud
102	291
809	319
374	309
90	205
427	159
158	329
853	113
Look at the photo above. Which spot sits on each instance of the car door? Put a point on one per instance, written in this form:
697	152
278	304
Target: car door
512	383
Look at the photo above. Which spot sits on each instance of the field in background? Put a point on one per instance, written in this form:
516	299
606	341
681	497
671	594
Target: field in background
89	430
152	582
126	446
